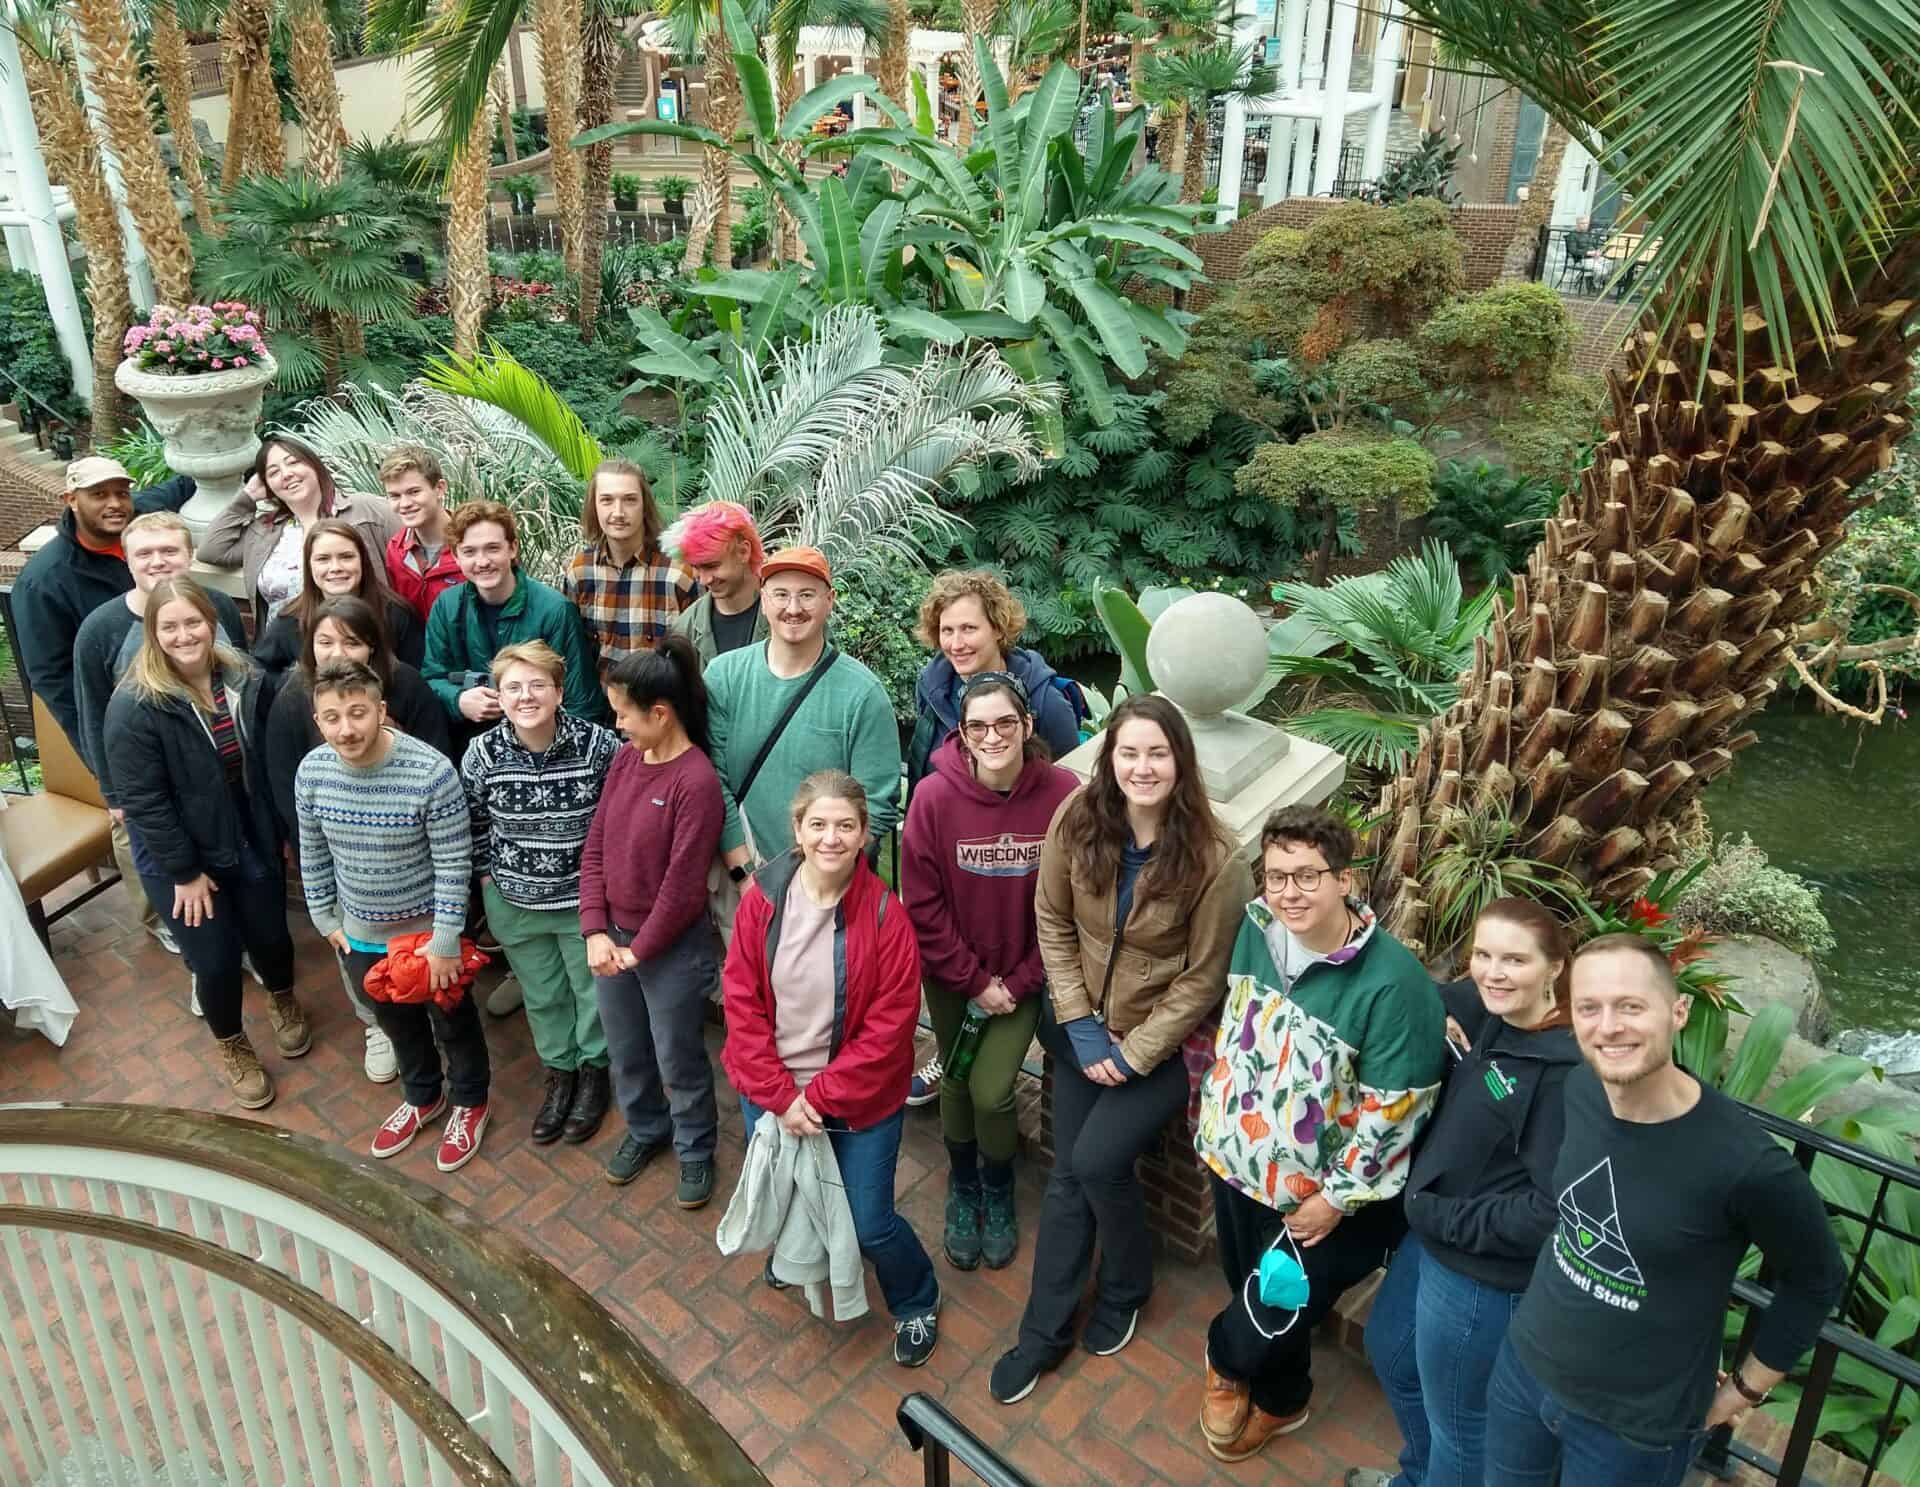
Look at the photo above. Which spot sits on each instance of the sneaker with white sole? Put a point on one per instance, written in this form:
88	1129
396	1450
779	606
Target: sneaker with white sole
381	1065
915	1339
193	996
460	1142
163	937
925	1088
397	1131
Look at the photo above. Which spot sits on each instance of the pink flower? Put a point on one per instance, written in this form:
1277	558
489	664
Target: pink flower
172	359
239	361
218	364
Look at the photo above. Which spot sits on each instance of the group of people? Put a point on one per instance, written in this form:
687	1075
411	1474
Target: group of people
662	778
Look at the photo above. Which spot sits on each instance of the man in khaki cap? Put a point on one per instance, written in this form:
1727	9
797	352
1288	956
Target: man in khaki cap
73	575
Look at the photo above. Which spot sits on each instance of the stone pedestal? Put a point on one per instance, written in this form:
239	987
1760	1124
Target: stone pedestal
210	422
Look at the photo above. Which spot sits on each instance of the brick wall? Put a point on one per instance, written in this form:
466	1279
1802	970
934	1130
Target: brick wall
1600	329
28	497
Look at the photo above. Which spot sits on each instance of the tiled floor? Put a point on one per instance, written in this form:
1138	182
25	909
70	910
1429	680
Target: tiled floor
813	1403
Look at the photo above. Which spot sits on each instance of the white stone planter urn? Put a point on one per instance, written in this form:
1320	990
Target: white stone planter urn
210	421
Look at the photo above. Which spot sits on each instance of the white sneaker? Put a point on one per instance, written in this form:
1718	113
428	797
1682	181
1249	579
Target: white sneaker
381	1066
246	964
193	996
506	998
163	937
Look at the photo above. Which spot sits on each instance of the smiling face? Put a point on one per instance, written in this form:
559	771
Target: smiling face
1623	1017
1143	764
993	730
643	727
102	511
335	562
620	505
967	639
486	558
333	641
831	834
185	636
727	577
292	478
418	503
350	721
157	553
529	697
796	606
1312	912
1512	972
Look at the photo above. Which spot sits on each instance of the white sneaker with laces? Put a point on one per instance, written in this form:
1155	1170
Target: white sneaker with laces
163	937
381	1065
925	1088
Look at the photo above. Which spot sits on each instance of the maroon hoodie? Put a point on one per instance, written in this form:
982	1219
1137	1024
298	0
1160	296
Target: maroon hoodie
972	856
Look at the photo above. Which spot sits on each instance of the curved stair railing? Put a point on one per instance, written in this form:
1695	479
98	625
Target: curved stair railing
189	1298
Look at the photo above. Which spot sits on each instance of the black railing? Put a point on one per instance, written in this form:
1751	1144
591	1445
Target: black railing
1840	1338
13	679
1590	261
941	1439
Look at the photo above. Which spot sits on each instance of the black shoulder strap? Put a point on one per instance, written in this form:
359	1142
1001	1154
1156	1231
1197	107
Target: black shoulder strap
820	669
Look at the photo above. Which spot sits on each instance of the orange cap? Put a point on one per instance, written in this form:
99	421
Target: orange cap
798	560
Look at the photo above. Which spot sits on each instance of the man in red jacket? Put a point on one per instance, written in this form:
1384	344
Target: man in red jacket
420	560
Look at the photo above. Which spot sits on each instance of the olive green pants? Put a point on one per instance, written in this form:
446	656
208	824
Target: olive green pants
548	956
982	1109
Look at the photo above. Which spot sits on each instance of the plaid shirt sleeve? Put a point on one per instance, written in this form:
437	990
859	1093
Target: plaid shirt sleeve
627	609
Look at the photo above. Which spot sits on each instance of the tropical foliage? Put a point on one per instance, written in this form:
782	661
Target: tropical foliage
1489	516
1740	892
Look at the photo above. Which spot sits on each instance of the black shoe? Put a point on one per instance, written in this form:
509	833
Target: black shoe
631	1159
915	1339
1015	1374
961	1239
591	1096
696	1183
774	1283
999	1234
1106	1335
552	1115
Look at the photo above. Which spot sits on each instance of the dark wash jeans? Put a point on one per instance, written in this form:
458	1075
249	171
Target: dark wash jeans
655	1018
867	1159
1432	1338
414	1028
1533	1440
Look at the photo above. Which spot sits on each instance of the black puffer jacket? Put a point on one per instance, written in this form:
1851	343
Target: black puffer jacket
1481	1192
170	781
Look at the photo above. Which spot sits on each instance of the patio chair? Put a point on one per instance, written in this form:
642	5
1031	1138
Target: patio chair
52	837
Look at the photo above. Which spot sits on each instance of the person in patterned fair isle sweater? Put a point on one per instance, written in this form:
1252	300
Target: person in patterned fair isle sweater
533	782
1330	1057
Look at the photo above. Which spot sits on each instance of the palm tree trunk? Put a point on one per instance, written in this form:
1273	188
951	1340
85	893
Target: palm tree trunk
558	23
469	290
600	58
103	30
171	66
74	159
1173	143
711	218
1652	621
786	231
1537	210
316	88
976	19
503	102
890	67
254	145
1193	168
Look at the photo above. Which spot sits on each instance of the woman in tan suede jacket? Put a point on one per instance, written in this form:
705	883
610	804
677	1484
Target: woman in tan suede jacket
1139	898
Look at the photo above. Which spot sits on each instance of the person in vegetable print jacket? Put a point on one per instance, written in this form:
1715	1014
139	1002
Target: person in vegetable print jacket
1330	1057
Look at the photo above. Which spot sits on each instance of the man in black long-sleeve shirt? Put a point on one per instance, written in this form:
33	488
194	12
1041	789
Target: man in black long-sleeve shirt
1608	1375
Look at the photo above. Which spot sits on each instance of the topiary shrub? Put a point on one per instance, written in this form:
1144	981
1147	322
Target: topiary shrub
1513	333
1742	893
1384	372
1341	470
1548	434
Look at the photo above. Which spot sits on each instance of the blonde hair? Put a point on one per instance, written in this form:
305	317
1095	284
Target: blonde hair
152	676
158	521
535	653
650	523
1006	614
407	457
830	784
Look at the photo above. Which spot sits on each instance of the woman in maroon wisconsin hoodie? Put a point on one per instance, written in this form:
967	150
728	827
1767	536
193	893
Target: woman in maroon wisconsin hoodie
972	849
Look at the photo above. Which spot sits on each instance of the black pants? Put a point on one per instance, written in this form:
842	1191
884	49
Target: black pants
413	1028
1099	1131
1280	1368
249	917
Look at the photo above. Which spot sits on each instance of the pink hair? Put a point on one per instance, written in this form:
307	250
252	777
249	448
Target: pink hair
704	533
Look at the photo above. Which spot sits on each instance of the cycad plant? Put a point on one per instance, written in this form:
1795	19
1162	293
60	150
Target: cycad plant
1769	149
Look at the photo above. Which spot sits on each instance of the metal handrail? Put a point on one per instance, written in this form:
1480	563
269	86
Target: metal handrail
21	390
932	1430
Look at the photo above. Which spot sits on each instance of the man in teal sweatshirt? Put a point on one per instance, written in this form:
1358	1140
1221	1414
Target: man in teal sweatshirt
845	721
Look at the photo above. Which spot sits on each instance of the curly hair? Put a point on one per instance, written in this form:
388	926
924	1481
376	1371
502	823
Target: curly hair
1310	826
1004	612
1094	825
472	513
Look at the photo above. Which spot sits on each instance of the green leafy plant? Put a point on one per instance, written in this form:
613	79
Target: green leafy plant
1514	335
522	188
1336	471
1490	517
1428	171
866	625
28	349
673	190
143	452
626	189
1471	857
1740	892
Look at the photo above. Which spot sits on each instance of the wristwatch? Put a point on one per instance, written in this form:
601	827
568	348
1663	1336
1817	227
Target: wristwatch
1752	1396
738	872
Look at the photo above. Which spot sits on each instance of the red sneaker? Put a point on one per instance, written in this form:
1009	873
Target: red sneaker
460	1142
397	1131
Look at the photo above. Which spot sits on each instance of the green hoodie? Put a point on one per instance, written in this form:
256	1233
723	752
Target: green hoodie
1321	1086
457	642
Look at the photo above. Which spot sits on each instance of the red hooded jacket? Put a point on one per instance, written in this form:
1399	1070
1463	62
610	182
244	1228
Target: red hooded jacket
420	589
970	865
876	1003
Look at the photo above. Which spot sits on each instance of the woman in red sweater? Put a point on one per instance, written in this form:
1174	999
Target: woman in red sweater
643	908
822	990
972	849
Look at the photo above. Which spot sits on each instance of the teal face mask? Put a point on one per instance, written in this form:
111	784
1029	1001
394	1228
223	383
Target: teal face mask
1283	1284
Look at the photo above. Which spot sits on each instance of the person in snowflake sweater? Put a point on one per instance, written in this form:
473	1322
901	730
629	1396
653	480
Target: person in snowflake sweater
1330	1057
533	782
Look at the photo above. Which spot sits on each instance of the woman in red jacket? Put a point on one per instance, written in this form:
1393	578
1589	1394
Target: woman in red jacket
822	987
972	850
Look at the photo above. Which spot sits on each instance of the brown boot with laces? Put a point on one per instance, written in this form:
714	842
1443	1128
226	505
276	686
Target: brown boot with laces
292	1033
251	1086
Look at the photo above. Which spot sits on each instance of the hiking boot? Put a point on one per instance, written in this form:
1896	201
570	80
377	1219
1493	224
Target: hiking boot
248	1079
460	1141
1223	1408
381	1066
631	1159
592	1093
999	1233
1106	1335
696	1183
292	1033
915	1339
925	1088
551	1118
962	1238
397	1131
1259	1429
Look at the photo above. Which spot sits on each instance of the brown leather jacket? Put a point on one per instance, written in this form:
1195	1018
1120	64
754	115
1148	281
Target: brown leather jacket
1172	965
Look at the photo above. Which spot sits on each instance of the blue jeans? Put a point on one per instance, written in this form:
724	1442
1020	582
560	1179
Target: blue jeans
1432	1337
866	1160
1533	1440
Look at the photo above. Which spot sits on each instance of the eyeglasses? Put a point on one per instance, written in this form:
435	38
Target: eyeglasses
1007	727
1306	880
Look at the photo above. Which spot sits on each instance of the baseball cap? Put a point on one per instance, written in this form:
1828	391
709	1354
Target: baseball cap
94	469
798	560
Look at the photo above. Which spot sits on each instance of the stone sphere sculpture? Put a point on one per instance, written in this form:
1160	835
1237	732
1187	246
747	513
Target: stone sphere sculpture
1207	652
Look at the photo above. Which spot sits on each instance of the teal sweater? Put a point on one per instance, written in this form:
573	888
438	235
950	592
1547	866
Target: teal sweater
846	723
457	642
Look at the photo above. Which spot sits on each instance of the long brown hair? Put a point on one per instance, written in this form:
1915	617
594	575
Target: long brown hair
1095	828
373	590
329	492
1549	937
650	523
366	624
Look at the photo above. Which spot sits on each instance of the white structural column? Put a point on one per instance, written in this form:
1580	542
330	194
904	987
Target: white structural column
1233	133
1333	97
859	99
139	272
1313	72
1292	33
20	249
1386	68
930	72
43	228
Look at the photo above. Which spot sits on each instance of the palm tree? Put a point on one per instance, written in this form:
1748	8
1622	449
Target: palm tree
976	23
469	286
557	23
73	157
891	64
316	89
1537	210
1193	81
104	31
1036	32
602	50
1762	390
167	45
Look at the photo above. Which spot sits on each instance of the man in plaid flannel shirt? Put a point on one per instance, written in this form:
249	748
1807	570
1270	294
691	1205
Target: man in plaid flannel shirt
627	590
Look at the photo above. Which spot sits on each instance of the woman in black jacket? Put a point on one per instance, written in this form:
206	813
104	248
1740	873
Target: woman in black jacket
1480	1199
343	629
335	563
185	729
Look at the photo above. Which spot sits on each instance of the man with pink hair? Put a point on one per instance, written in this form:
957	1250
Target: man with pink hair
720	543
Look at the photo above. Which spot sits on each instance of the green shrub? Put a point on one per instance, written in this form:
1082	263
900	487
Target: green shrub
1514	333
29	350
871	629
143	452
1489	516
1742	893
1548	434
1384	371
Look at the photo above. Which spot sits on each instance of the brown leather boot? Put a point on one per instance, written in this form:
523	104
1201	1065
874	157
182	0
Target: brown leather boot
292	1033
1223	1408
1259	1429
251	1086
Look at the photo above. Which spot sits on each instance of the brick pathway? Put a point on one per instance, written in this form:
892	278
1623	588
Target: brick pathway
811	1402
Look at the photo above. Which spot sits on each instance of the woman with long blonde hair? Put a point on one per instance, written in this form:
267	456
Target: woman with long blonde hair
187	726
